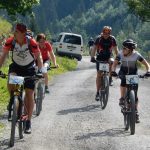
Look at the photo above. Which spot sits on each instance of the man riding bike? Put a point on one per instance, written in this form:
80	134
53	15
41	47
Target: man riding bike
47	55
128	58
24	53
103	46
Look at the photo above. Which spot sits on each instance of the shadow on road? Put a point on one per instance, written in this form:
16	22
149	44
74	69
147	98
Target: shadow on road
81	109
116	132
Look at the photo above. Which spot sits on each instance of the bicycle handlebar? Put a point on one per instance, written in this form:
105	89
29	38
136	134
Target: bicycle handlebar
123	76
37	76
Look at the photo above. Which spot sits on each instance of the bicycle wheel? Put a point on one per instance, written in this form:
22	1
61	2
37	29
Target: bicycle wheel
20	122
132	113
126	120
39	99
104	92
14	120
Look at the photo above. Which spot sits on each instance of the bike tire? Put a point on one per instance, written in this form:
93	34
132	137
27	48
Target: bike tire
105	91
39	99
20	122
14	120
132	113
126	120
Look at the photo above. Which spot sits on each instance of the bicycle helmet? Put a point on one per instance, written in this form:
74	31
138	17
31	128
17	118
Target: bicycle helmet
130	44
107	29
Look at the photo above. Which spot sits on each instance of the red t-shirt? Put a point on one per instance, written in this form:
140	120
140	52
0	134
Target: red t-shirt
46	50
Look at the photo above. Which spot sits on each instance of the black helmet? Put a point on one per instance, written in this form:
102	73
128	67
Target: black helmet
130	44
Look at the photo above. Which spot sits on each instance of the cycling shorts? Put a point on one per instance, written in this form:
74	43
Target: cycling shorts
30	71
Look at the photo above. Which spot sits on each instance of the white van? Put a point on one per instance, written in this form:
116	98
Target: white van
69	44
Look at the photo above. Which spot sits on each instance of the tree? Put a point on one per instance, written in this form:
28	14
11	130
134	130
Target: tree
140	8
17	6
5	27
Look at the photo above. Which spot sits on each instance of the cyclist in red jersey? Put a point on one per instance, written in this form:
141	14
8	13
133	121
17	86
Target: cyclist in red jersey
47	55
25	52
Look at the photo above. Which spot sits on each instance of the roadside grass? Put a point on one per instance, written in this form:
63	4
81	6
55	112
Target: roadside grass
65	64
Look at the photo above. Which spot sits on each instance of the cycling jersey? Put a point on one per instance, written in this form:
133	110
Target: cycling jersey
45	51
104	47
129	63
22	55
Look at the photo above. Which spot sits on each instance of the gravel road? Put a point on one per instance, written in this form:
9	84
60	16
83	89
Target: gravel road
72	120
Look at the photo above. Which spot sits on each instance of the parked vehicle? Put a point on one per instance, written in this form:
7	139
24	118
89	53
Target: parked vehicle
69	44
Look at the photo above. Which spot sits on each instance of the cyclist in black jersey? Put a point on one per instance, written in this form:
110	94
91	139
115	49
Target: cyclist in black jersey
104	45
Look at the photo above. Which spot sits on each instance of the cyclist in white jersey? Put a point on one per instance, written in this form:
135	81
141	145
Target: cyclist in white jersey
25	52
128	58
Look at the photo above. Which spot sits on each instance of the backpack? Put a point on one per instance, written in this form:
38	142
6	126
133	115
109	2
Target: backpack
28	42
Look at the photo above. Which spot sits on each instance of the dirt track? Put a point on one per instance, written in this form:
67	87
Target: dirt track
72	120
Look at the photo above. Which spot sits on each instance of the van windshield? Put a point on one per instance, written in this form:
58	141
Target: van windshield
59	38
72	39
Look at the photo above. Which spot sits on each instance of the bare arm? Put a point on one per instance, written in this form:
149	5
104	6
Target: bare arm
3	57
146	64
116	50
53	58
39	61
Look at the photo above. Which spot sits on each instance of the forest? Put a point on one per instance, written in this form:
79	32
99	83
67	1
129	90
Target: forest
87	17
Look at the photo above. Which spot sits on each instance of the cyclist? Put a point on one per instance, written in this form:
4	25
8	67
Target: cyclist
29	33
128	58
103	46
24	53
91	44
47	55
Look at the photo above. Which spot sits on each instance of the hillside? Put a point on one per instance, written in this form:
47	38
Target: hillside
87	17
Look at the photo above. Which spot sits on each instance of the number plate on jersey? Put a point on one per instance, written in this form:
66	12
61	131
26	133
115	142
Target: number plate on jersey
104	67
17	80
132	79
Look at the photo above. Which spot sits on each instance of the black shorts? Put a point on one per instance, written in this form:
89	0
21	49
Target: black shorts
22	71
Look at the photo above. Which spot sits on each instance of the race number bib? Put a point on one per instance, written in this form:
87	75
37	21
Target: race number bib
17	80
132	79
104	67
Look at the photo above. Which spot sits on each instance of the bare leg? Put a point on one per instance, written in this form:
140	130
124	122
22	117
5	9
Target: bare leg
98	81
122	91
29	102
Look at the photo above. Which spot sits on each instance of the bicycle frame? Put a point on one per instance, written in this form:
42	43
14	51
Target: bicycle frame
104	91
16	106
128	109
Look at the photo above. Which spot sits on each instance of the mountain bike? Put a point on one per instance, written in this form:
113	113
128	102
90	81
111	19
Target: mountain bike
16	105
128	108
104	91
